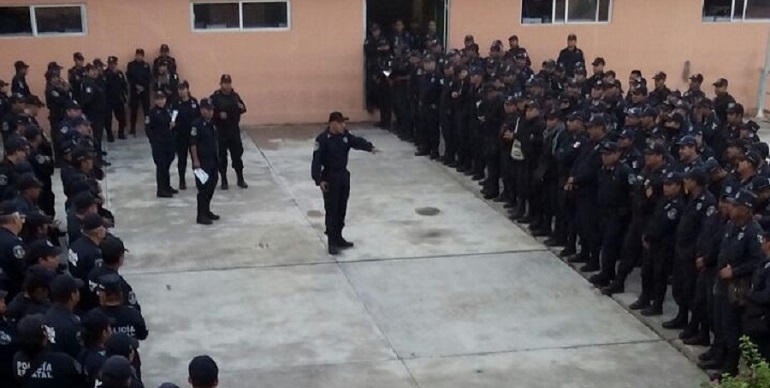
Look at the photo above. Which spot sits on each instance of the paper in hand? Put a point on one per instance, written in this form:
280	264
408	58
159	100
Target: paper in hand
174	114
201	175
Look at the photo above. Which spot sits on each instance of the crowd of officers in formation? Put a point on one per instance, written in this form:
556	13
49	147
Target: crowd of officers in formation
674	182
78	324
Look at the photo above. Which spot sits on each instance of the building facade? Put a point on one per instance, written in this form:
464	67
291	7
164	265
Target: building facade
293	61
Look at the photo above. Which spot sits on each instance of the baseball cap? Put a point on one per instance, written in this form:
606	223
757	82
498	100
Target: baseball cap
649	112
81	153
596	121
749	125
705	103
225	79
117	369
203	371
72	104
168	385
98	62
206	104
78	56
554	115
139	51
672	178
20	65
655	149
109	283
598	61
627	133
698	175
64	285
42	248
92	221
575	116
721	82
83	201
164	48
697	78
160	94
112	59
120	344
31	328
711	165
38	277
475	70
15	143
660	75
183	85
752	157
688	141
112	249
745	198
338	117
31	132
609	147
28	181
760	183
95	321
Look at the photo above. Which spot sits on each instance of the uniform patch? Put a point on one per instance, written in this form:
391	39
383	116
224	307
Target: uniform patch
740	236
18	252
631	179
131	298
64	129
345	140
194	131
89	90
710	211
146	119
5	339
55	93
40	159
576	145
699	206
73	258
194	105
671	214
3	180
728	189
51	333
316	146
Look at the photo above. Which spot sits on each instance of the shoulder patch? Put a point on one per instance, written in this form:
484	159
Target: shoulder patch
671	214
316	146
711	210
194	131
18	252
699	206
146	119
345	139
631	179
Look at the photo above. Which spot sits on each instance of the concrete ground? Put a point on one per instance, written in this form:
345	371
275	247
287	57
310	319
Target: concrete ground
460	298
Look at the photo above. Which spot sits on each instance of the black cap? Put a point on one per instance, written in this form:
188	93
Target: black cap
116	369
28	181
711	165
78	56
206	104
475	70
139	51
705	103
160	94
597	121
64	285
82	153
16	98
14	144
95	321
576	116
7	208
110	283
18	65
37	219
42	248
609	147
554	115
38	277
168	385
697	78
698	174
54	66
649	112
31	132
627	133
31	328
72	104
164	48
634	112
112	249
745	198
672	178
660	75
753	158
734	107
225	79
571	37
81	120
655	149
721	82
760	183
598	61
687	141
183	85
98	62
120	344
92	222
203	371
83	201
338	117
112	59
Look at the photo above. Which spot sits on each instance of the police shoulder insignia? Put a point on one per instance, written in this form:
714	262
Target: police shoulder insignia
631	179
711	210
671	214
316	146
131	298
3	180
194	131
146	119
576	145
728	189
40	159
740	236
345	139
73	258
55	93
194	105
767	265
699	206
18	252
88	89
50	333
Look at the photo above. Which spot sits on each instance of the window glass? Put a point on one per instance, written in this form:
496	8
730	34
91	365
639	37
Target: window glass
15	21
211	16
758	9
64	20
266	15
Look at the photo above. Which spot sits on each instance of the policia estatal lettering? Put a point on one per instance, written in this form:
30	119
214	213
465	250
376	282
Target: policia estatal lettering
330	173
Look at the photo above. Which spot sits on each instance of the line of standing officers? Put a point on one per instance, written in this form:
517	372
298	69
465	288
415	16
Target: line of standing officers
670	181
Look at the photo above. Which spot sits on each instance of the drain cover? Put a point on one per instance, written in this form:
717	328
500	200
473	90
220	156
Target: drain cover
427	211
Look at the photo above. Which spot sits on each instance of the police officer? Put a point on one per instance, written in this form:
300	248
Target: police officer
228	108
9	342
85	255
123	319
57	93
35	296
5	105
187	111
94	102
12	251
329	172
15	156
205	156
166	81
722	100
139	77
379	52
76	74
11	118
40	157
113	256
571	55
19	82
96	330
660	93
739	255
161	133
117	94
429	95
39	362
164	57
62	325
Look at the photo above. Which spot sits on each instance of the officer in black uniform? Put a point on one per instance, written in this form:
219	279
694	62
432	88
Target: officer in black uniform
117	94
40	363
15	156
205	155
228	108
123	319
615	181
5	105
94	102
329	172
35	296
429	95
166	81
139	75
42	163
57	93
96	330
76	74
187	111
85	255
12	250
61	323
161	133
722	100
164	57
659	239
19	82
9	342
739	256
113	256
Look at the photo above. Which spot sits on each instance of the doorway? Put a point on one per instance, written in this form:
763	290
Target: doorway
412	12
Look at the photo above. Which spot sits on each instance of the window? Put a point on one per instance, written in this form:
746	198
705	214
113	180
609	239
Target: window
735	10
241	15
565	11
42	20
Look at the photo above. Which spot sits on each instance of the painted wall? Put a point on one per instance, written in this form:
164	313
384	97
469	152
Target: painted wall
284	76
650	35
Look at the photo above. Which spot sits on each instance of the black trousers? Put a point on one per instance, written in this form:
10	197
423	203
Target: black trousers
492	156
614	228
477	146
632	251
428	135
508	173
54	122
336	203
656	270
588	226
383	101
732	329
702	309
400	103
136	99
206	190
684	277
230	141
163	155
182	153
116	109
449	135
463	138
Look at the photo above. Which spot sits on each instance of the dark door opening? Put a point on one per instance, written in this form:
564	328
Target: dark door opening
416	14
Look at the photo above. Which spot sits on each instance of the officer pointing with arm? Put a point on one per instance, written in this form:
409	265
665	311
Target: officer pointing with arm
330	173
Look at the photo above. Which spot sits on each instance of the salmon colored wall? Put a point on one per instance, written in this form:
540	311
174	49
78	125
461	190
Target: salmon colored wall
651	35
294	76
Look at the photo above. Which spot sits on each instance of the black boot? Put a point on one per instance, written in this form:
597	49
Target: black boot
641	303
212	216
615	287
182	182
203	219
241	182
679	322
653	310
225	185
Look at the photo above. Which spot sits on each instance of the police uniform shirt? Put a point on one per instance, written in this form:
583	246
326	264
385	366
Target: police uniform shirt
741	248
632	158
203	135
615	183
64	331
167	83
567	154
55	370
171	61
8	177
158	123
84	255
93	98
139	73
332	151
21	306
126	320
664	220
92	359
689	166
42	165
8	346
760	285
116	86
586	168
19	85
75	76
227	103
12	254
129	297
188	111
5	104
762	215
694	215
55	99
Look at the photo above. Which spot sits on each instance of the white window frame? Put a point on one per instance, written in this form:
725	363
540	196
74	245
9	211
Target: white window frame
33	21
732	18
566	15
240	27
